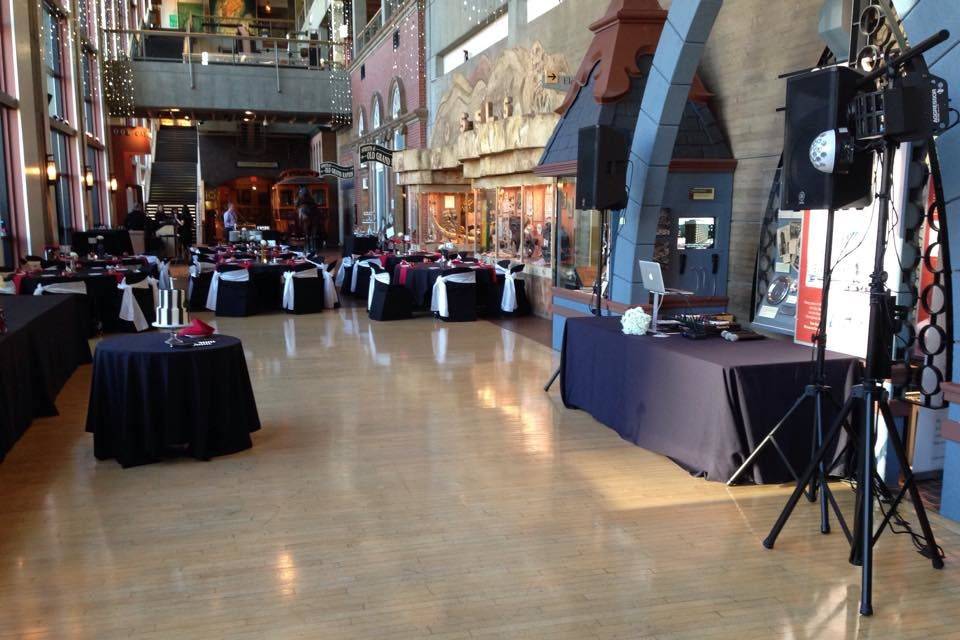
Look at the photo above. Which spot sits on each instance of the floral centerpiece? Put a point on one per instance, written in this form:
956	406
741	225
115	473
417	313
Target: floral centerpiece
635	321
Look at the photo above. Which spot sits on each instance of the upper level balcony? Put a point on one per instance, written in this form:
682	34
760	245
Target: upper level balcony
214	75
384	13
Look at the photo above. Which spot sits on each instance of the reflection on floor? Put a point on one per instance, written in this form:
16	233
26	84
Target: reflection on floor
412	480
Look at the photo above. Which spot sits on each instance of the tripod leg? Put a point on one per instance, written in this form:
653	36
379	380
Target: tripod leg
911	483
821	481
771	539
770	438
553	378
865	487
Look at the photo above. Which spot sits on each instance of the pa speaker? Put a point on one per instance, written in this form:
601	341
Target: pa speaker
602	168
817	101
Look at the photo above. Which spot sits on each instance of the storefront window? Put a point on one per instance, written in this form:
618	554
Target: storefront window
509	224
486	216
538	206
449	217
577	240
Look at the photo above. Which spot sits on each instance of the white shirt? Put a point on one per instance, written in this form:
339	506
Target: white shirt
229	219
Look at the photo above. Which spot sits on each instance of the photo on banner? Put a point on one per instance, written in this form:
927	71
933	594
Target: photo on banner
854	248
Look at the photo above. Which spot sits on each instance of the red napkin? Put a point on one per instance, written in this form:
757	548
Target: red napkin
404	268
197	328
17	279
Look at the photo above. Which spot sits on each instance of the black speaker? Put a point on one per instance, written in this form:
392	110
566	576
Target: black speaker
602	168
817	101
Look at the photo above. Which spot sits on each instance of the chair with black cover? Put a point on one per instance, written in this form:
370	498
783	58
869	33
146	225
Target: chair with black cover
232	293
331	297
138	303
345	275
31	263
386	301
512	292
360	286
303	289
201	275
455	295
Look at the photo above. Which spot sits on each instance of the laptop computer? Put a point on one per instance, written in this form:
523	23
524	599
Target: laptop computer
652	276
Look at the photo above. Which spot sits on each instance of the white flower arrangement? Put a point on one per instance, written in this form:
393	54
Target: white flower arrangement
635	321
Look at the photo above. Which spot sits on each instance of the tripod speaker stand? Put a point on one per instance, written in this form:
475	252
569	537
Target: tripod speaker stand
873	398
819	393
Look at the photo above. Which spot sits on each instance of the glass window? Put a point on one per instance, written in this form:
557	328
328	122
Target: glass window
91	124
94	156
538	205
375	114
481	41
399	140
61	156
53	60
396	107
6	222
577	240
536	8
361	124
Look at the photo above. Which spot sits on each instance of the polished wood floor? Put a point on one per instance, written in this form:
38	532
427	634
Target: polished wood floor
412	480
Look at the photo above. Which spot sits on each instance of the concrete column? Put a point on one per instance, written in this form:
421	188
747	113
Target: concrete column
676	60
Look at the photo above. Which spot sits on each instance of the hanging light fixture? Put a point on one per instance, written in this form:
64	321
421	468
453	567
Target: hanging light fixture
51	169
88	177
113	182
267	7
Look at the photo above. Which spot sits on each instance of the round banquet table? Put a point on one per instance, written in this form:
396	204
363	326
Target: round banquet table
419	277
103	296
148	399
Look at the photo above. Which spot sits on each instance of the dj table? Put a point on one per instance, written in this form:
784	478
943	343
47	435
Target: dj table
704	403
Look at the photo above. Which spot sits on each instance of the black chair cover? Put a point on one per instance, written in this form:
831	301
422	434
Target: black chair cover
523	305
307	292
390	301
461	298
235	299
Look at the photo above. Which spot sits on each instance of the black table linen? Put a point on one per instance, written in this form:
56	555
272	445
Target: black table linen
147	399
46	341
704	403
116	242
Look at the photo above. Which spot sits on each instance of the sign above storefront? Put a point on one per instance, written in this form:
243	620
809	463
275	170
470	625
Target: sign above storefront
253	164
376	153
335	170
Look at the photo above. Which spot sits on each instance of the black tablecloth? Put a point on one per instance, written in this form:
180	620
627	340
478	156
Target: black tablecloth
147	399
421	277
46	341
703	403
103	298
354	245
268	281
115	241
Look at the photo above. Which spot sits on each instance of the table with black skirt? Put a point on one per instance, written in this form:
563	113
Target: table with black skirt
116	242
46	341
703	403
149	401
103	298
420	277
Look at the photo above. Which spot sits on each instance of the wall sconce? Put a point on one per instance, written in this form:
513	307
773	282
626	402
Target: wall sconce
51	169
113	183
88	177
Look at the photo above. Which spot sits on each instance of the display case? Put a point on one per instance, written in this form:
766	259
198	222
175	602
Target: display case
577	240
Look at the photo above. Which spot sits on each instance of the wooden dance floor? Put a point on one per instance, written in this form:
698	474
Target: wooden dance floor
412	480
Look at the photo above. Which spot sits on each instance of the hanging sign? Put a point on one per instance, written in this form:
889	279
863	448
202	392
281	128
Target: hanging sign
376	153
335	170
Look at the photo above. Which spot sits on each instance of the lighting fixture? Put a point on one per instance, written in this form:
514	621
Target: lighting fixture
832	151
88	177
248	113
174	110
113	182
204	58
51	169
267	7
344	31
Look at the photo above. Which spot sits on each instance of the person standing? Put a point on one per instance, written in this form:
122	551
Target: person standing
229	221
307	218
184	223
136	220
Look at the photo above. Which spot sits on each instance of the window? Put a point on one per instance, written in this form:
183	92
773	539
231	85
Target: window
481	41
375	116
396	102
91	124
536	8
399	140
361	124
60	143
576	242
53	61
94	159
6	228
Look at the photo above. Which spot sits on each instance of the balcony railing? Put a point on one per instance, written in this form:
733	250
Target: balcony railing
380	19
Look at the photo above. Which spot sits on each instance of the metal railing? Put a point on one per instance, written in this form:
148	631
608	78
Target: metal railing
230	49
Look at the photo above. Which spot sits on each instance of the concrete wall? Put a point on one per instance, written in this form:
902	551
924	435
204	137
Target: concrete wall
741	63
159	84
560	30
